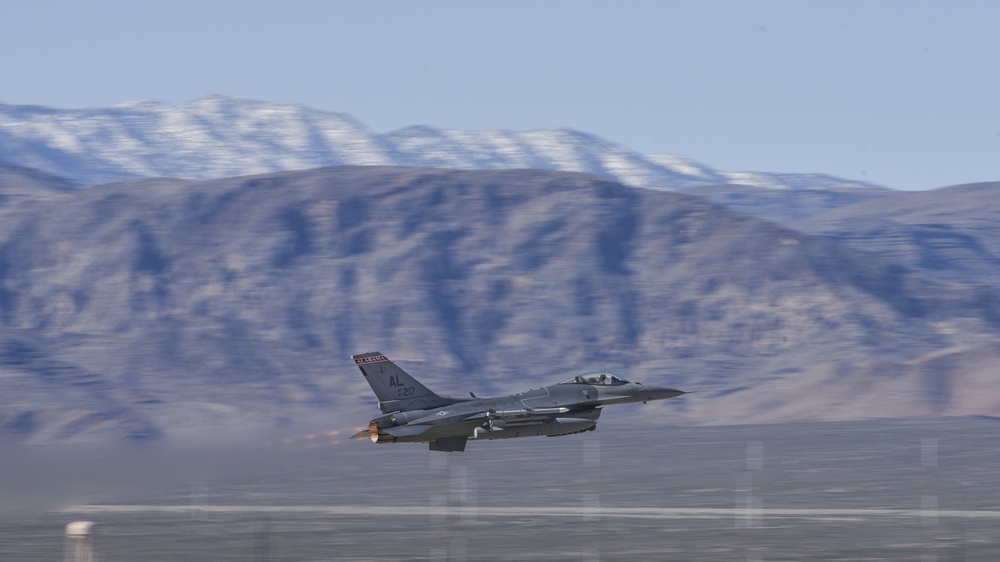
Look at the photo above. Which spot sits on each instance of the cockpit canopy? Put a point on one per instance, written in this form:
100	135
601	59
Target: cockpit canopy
597	379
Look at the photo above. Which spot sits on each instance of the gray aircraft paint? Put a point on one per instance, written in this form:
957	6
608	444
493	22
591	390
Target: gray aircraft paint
415	414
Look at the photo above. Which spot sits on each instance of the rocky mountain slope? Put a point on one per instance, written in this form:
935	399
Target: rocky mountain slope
221	136
951	233
146	307
793	208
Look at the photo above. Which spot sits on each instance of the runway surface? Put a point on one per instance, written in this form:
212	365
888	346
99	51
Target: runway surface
466	512
890	490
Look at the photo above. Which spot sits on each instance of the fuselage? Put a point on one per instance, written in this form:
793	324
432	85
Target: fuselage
558	409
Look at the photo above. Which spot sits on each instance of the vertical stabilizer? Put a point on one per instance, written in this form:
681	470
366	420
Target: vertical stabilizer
395	388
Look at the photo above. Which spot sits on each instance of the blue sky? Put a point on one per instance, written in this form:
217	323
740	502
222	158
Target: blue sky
902	93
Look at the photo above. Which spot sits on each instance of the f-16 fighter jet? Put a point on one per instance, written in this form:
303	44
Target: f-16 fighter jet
415	414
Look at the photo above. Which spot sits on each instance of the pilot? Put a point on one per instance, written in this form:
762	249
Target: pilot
603	379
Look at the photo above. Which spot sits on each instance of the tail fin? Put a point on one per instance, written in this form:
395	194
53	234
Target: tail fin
395	388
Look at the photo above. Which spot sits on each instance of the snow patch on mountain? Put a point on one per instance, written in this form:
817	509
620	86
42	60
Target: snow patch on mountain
222	136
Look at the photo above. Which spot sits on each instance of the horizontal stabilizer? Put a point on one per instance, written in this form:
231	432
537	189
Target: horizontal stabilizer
406	430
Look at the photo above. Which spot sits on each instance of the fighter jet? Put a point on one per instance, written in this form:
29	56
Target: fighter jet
415	414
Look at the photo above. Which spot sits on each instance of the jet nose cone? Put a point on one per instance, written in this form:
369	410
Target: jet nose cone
662	392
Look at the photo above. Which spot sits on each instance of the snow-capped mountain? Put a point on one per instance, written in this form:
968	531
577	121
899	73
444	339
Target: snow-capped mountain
222	136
